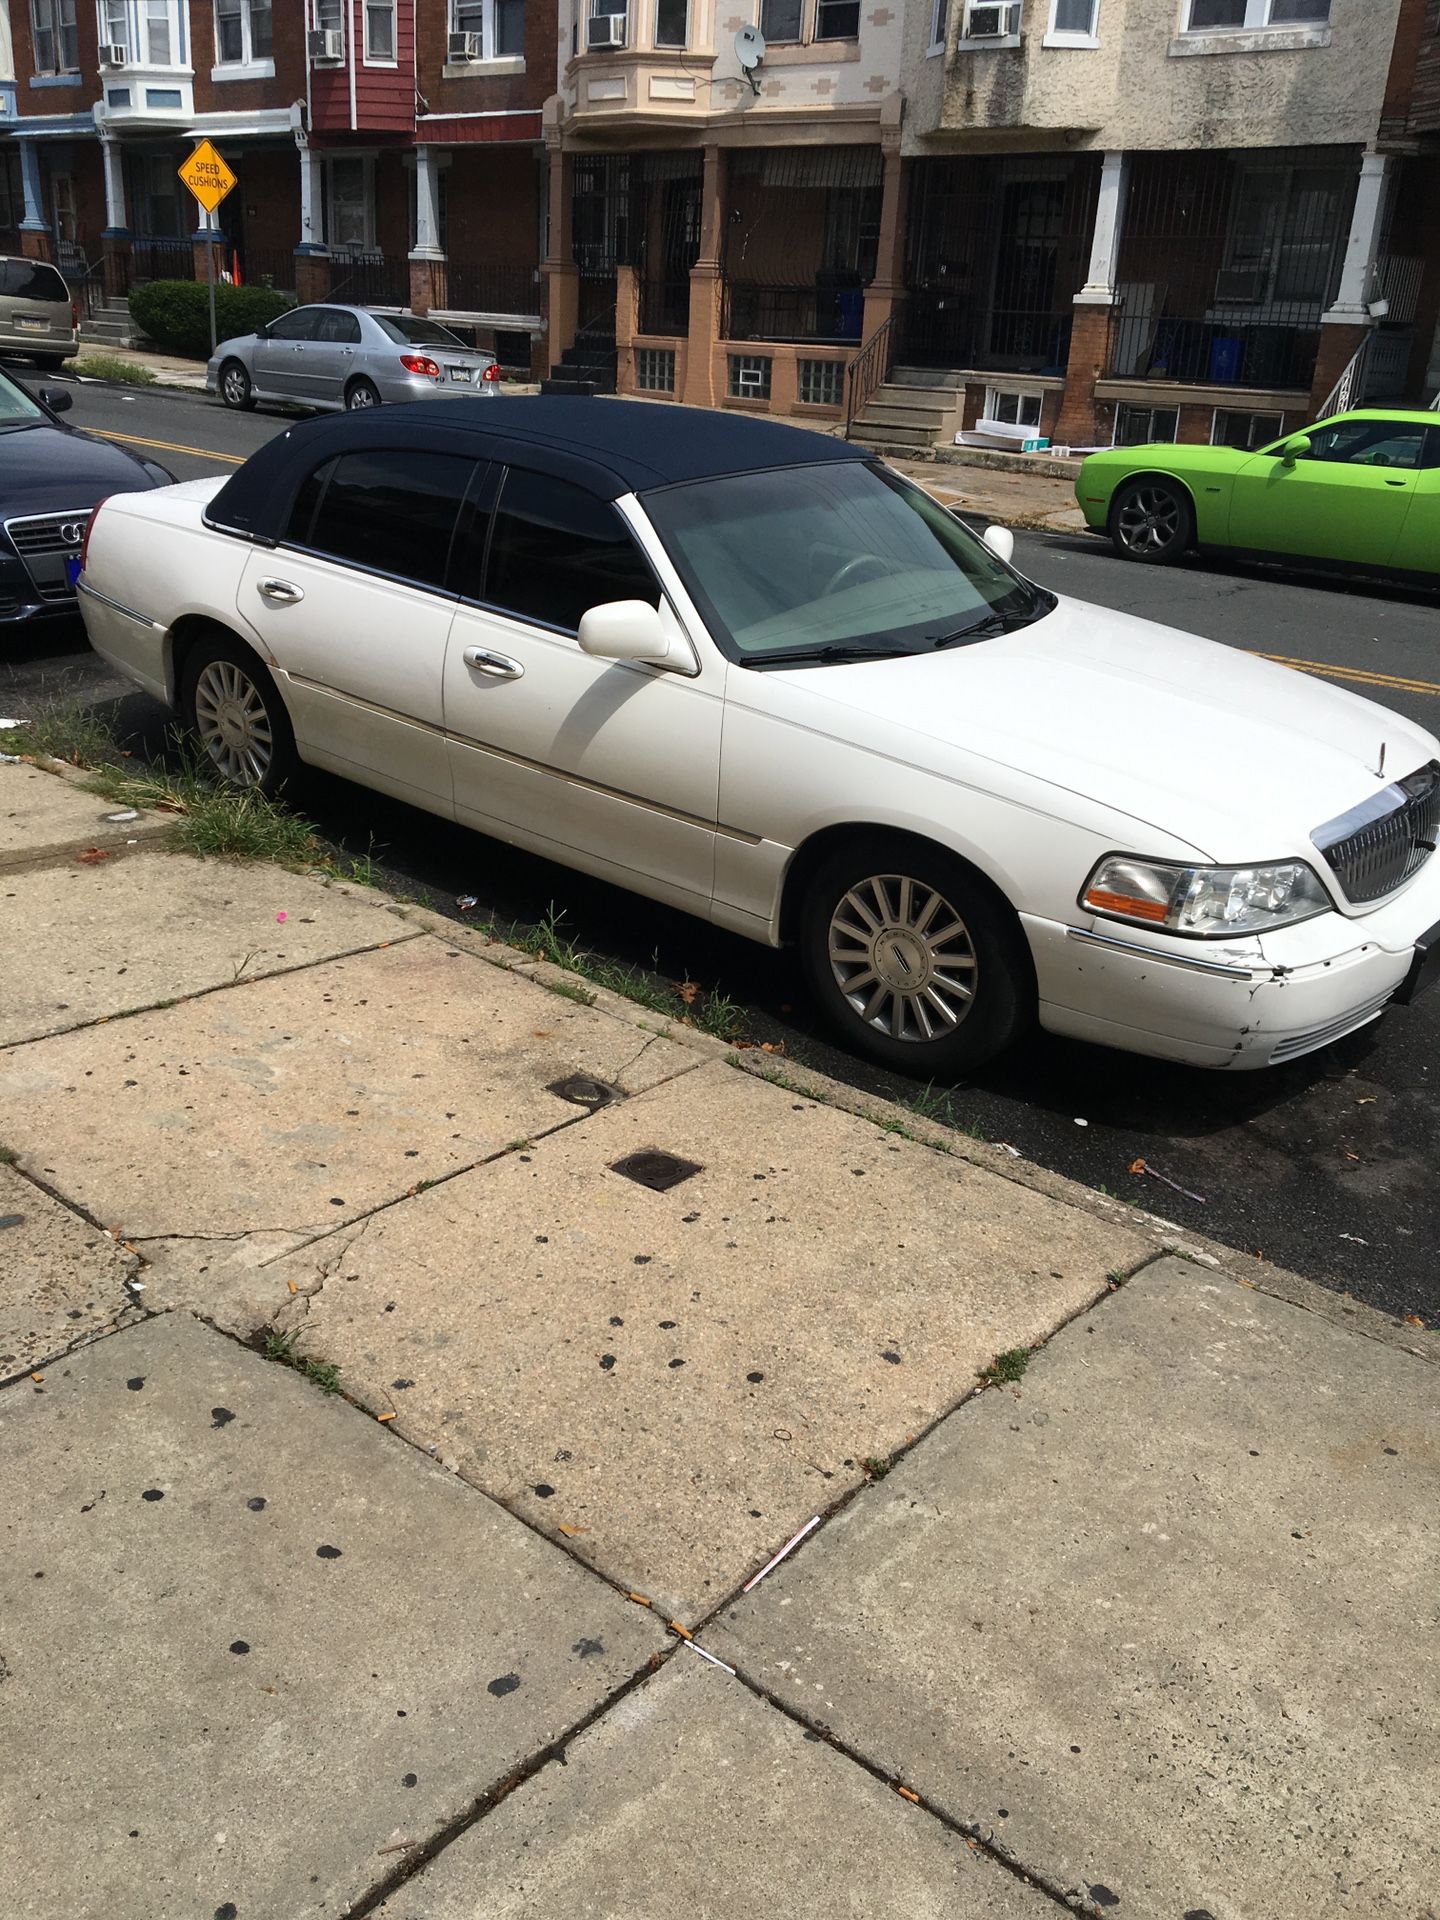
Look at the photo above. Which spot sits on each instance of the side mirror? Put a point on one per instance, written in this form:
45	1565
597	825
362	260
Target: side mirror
262	332
58	399
1295	448
634	630
1001	542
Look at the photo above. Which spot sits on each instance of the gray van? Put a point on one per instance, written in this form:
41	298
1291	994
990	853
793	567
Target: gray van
37	315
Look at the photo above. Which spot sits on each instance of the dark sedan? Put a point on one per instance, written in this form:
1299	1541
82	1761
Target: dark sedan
51	479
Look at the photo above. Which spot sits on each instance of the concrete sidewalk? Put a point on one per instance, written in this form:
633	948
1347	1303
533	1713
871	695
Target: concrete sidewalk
633	1314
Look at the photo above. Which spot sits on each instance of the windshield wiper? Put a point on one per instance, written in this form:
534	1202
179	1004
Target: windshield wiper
827	656
985	628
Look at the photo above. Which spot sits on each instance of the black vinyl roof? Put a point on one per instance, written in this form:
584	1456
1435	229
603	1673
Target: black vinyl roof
612	446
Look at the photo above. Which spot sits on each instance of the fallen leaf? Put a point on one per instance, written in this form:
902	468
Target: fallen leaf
772	1046
688	991
1136	1166
92	856
570	1533
1413	1320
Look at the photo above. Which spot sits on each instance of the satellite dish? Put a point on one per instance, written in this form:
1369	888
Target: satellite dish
749	47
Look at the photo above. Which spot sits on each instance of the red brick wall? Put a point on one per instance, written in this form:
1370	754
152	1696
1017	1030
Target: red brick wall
250	96
46	100
269	197
1425	92
476	94
493	206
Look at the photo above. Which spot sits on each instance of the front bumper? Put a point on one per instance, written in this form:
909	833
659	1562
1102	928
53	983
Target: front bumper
1238	1005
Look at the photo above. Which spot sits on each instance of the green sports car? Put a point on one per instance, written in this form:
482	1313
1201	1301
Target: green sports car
1359	491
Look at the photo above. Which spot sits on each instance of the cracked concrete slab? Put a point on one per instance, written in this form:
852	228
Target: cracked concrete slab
1161	1620
680	1379
252	1645
693	1800
44	817
159	926
293	1104
61	1280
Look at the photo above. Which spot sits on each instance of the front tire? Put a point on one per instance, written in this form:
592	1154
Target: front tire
1152	521
235	387
50	362
233	711
915	962
360	394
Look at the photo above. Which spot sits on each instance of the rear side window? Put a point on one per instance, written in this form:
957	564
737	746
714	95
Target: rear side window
31	280
302	324
389	512
556	551
341	329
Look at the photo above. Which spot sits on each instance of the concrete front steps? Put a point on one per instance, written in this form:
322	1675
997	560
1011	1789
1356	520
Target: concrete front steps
915	412
110	328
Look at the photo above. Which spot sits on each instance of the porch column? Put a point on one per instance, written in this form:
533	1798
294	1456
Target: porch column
1094	305
427	256
1362	249
560	275
35	238
703	354
888	285
115	241
312	259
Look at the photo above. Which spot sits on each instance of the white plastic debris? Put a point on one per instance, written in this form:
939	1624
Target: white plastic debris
467	902
1081	1123
125	813
789	1547
6	724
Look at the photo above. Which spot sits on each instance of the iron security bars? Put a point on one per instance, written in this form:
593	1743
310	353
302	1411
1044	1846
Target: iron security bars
801	242
1226	263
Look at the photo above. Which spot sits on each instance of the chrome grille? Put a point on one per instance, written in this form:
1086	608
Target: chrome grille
1385	841
45	541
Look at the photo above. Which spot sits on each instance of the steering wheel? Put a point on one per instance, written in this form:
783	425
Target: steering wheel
841	576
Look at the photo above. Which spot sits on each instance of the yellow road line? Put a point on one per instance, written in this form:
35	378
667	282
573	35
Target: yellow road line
1397	683
171	446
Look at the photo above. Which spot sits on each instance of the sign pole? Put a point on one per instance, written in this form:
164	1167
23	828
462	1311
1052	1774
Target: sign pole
210	272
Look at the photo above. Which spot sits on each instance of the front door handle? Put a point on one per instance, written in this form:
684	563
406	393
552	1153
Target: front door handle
499	666
1397	483
282	590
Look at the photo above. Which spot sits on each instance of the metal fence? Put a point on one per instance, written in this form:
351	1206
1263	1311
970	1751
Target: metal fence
996	250
267	267
801	243
161	257
1226	263
823	314
370	279
471	287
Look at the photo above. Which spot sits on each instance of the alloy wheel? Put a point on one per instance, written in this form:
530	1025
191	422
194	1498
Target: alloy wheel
233	723
237	387
903	958
1149	520
361	395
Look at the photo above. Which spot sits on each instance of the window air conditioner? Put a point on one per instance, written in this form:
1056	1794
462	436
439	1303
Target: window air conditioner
604	30
993	23
1243	286
326	43
112	54
467	46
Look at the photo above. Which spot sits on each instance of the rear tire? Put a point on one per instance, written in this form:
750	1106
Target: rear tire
1152	521
361	394
50	362
233	711
914	959
235	387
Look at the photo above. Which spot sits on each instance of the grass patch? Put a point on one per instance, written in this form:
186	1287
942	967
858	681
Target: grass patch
931	1104
712	1013
223	822
112	366
64	730
875	1467
570	990
1006	1368
8	1156
280	1347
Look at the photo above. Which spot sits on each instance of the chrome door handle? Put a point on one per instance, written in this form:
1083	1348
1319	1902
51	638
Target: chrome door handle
281	590
498	665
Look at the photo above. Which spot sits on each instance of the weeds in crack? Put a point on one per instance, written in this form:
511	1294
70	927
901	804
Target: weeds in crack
280	1347
1006	1368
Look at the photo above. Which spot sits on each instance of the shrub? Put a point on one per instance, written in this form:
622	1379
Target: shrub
175	314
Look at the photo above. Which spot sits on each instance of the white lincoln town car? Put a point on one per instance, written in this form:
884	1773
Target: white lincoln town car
756	674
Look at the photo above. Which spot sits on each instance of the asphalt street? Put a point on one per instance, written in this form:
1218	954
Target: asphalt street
1326	1166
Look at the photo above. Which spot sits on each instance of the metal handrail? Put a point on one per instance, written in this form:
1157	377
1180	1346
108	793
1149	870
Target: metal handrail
1341	396
870	369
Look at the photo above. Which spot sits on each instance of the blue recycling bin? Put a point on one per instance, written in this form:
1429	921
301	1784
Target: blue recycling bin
850	306
1226	355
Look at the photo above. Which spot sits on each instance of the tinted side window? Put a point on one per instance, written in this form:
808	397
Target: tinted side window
1431	456
1369	443
300	325
302	514
31	280
391	512
342	329
556	551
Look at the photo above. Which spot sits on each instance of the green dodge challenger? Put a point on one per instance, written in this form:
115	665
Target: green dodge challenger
1359	491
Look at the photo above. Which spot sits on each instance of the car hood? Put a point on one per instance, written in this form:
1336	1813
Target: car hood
44	469
1236	756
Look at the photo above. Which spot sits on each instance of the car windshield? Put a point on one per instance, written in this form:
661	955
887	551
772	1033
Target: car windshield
17	409
413	332
807	565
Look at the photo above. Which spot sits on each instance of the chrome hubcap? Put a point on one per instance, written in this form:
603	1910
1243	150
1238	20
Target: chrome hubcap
234	385
361	397
1150	520
903	958
233	724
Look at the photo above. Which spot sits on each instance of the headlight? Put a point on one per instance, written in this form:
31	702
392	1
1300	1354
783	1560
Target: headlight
1204	902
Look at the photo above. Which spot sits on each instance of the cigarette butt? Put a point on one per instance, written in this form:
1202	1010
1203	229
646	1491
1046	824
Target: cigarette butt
908	1793
570	1533
640	1599
37	1376
684	1632
384	1416
292	1286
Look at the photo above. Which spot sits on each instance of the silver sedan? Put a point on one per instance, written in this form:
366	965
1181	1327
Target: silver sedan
335	358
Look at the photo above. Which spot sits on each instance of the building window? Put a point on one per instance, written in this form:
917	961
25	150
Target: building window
12	188
1247	431
1219	16
784	20
822	382
749	376
380	30
780	19
939	14
1073	23
671	22
349	203
655	369
837	19
1142	426
1015	406
330	16
243	32
158	38
499	25
54	36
